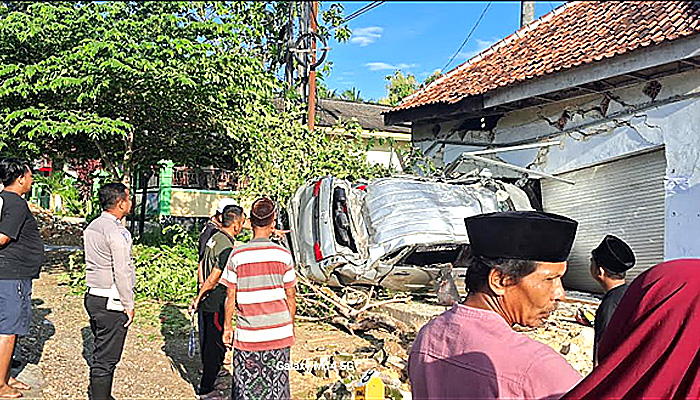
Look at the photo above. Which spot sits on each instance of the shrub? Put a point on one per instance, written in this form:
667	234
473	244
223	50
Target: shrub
164	272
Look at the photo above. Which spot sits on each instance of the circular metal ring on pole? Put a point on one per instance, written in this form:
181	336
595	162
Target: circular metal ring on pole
300	47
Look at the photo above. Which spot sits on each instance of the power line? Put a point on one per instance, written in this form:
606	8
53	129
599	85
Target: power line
363	10
468	37
359	12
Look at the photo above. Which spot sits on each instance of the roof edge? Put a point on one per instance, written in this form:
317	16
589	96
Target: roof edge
491	49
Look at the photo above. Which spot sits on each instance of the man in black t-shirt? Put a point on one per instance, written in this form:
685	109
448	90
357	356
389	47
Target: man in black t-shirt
212	296
21	256
609	264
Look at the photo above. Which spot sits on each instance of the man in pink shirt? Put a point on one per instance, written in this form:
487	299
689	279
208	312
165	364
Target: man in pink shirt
514	277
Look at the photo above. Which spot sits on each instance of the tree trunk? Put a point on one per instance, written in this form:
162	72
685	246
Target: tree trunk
132	225
128	162
108	162
145	177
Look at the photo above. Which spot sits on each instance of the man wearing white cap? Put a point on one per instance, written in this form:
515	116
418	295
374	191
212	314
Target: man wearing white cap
210	228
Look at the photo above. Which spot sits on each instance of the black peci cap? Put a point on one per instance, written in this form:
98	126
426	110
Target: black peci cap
614	254
525	235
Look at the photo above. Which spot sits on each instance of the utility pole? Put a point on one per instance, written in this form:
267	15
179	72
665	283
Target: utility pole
312	68
289	58
527	12
302	68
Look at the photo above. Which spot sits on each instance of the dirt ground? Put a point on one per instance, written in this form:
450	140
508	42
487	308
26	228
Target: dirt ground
155	364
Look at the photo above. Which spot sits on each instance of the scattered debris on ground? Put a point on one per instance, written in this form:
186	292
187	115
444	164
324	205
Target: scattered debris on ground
349	309
564	333
342	336
353	310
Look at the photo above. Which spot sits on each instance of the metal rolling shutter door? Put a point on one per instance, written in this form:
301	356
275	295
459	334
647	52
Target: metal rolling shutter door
624	198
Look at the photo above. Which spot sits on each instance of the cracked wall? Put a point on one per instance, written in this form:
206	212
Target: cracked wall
599	128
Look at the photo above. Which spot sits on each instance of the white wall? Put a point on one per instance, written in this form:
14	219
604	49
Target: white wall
632	123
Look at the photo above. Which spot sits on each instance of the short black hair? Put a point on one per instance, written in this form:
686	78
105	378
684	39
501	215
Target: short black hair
614	275
231	214
609	273
479	267
111	194
11	169
262	212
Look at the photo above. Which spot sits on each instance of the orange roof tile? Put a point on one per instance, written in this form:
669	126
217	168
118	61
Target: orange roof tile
574	34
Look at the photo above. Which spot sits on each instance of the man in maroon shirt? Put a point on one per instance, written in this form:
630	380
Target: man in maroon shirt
514	277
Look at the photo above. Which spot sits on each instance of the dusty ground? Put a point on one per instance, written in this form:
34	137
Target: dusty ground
155	363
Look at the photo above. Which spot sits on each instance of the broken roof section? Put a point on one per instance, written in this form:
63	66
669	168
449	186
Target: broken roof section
368	115
575	34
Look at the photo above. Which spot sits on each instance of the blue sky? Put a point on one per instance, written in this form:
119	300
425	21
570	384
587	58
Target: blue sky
418	38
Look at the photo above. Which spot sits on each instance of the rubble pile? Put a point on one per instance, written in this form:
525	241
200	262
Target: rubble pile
567	331
58	231
569	335
351	310
387	359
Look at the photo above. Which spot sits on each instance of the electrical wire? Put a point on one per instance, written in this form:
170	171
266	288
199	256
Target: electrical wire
363	10
358	12
471	32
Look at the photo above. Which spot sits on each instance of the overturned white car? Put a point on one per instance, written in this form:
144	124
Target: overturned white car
401	233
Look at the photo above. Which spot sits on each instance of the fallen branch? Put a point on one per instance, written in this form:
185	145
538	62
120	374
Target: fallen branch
381	303
320	303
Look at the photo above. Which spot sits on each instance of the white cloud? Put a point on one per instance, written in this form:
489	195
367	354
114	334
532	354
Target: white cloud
380	66
481	45
366	36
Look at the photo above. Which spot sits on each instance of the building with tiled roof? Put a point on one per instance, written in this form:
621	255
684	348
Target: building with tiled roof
574	35
595	109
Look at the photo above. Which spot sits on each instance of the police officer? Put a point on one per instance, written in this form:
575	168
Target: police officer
609	264
110	278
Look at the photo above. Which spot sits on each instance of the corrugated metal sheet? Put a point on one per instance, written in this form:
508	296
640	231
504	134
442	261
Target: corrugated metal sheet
624	198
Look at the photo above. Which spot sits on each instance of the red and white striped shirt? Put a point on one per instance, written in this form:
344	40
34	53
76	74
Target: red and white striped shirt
260	271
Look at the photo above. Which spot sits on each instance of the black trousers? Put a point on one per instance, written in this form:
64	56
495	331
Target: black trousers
212	347
109	332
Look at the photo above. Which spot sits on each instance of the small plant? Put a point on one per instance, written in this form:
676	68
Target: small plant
59	183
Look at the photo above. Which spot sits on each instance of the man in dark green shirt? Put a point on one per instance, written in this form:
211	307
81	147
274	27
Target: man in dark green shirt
212	296
609	264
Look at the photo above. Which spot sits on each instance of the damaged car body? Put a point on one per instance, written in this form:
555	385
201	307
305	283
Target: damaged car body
402	233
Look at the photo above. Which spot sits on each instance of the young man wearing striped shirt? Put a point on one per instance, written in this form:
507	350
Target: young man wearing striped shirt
260	282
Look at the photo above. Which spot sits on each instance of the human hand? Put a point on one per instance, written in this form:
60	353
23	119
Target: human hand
193	306
228	337
280	232
129	316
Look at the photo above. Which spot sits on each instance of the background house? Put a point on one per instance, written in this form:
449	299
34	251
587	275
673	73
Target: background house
386	139
618	85
194	192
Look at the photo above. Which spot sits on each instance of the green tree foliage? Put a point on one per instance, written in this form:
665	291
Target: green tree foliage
132	83
432	78
292	156
398	87
322	89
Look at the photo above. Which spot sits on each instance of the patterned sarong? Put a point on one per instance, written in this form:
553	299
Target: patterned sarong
260	375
